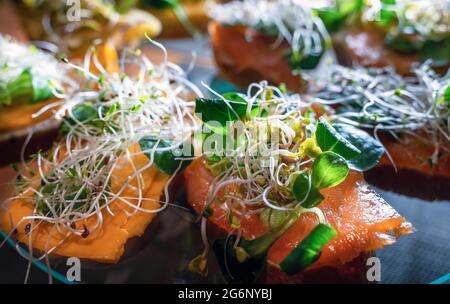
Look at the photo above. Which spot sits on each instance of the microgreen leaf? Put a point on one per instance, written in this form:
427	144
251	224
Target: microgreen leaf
161	4
329	139
305	192
28	87
387	16
401	43
199	264
41	89
165	159
437	51
244	262
334	16
328	170
445	98
299	62
5	96
85	114
217	111
112	109
249	269
308	250
371	149
235	96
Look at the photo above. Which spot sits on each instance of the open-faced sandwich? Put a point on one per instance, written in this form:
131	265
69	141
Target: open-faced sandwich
410	116
398	33
266	40
31	82
74	27
121	142
284	191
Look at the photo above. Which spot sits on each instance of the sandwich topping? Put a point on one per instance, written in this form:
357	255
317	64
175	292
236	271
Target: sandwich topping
113	131
287	20
278	157
382	100
414	26
73	25
29	74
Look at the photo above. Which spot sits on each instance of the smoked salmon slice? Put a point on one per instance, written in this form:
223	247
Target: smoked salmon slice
365	46
363	220
412	154
245	56
10	24
106	245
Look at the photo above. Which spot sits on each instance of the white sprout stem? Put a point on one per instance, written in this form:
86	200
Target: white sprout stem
257	175
292	21
382	100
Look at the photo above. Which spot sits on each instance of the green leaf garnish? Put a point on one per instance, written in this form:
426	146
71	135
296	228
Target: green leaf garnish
445	98
27	87
239	270
328	170
371	149
299	62
387	16
329	139
334	16
161	4
308	250
41	89
208	212
75	192
112	109
437	51
401	43
84	114
215	113
165	160
305	192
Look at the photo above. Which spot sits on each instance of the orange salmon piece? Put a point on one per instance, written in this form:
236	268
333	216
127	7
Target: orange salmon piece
10	24
363	220
412	154
107	244
365	46
242	48
108	58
